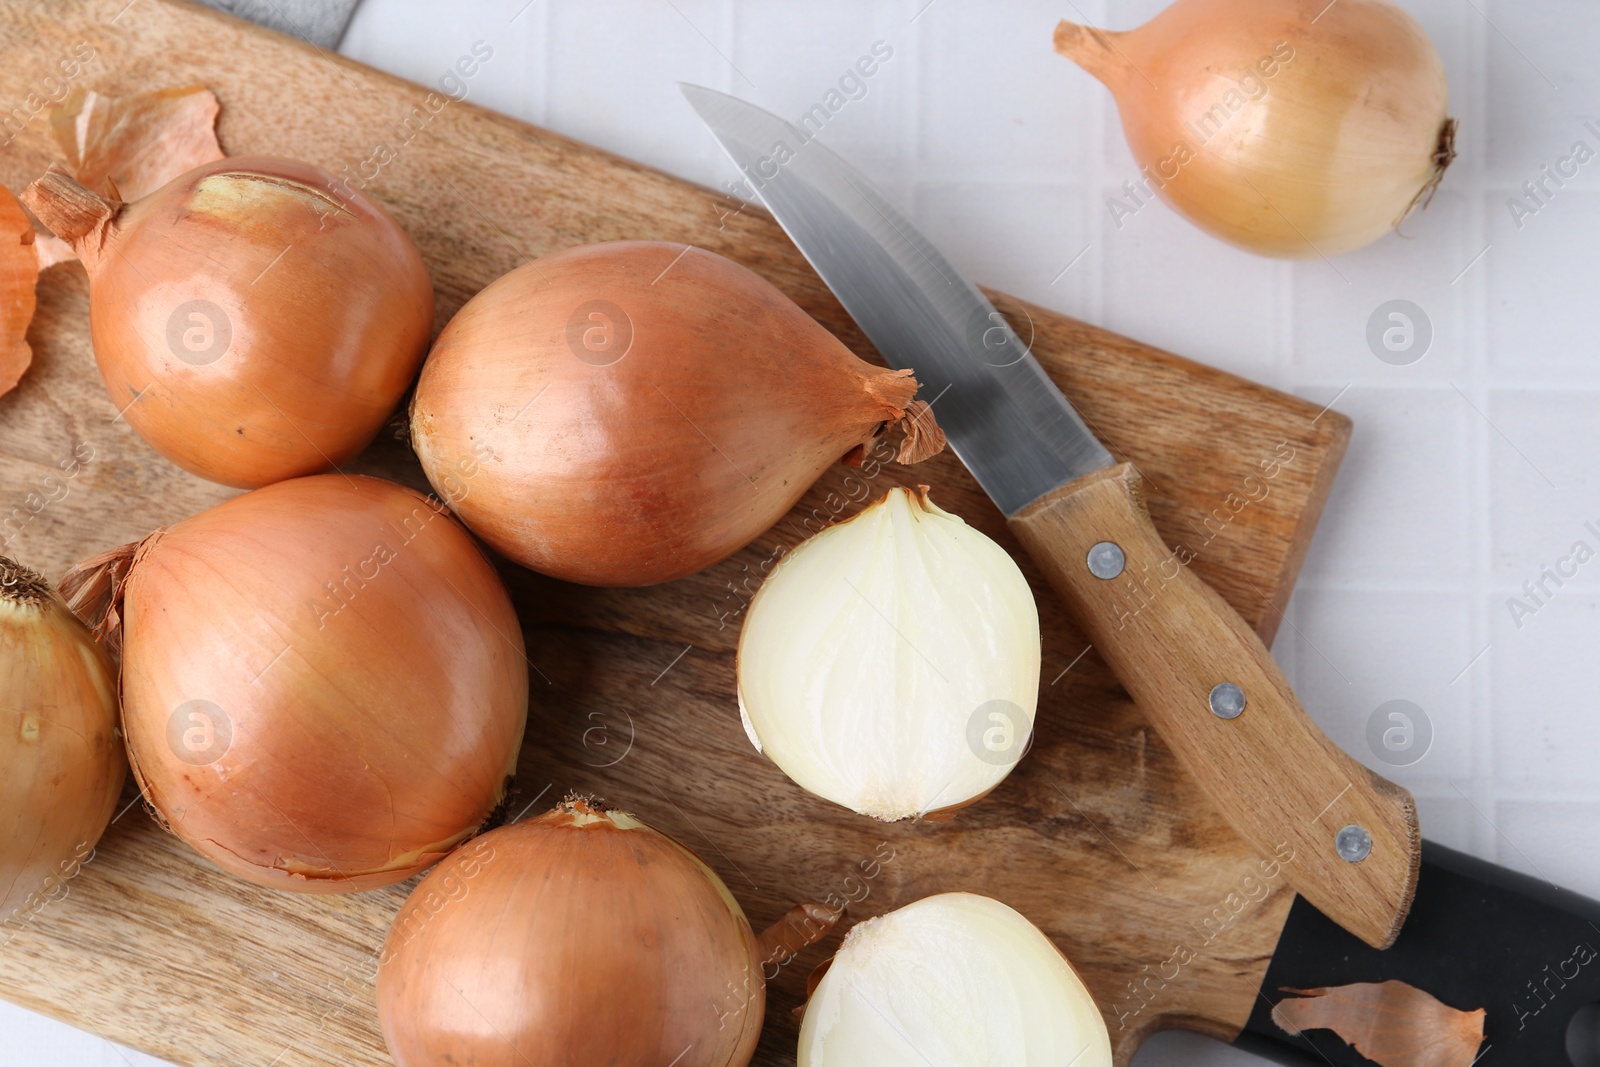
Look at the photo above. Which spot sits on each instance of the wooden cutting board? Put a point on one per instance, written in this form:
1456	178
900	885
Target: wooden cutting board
1098	836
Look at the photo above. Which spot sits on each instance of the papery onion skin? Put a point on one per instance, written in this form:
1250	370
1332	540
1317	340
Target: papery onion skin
1315	154
949	981
581	938
130	146
323	682
19	272
61	760
253	319
649	408
868	653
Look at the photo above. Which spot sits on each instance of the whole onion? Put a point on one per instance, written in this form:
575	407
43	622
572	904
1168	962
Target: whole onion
251	324
323	681
581	938
645	410
61	763
1288	127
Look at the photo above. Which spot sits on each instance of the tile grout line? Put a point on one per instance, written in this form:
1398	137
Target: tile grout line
547	36
730	30
911	155
1481	499
1095	219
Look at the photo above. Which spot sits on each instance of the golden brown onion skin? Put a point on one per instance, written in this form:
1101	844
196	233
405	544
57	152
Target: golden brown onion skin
576	939
61	761
19	273
323	682
1330	134
653	441
325	302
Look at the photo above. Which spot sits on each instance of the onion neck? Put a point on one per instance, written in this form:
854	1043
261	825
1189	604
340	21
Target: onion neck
79	216
93	590
1094	50
19	585
891	393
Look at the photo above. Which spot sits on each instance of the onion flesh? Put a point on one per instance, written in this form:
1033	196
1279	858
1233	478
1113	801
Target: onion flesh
252	320
1289	129
324	683
61	762
645	410
582	938
950	981
891	662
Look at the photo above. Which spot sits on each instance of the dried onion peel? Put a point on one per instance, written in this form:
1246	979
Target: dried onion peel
250	324
19	275
891	662
1392	1023
951	980
323	681
61	762
646	409
1288	127
582	938
128	147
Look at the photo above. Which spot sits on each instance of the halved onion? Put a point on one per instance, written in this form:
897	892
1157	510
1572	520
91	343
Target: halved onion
953	980
891	662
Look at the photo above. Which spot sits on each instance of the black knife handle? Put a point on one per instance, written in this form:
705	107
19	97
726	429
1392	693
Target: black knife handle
1479	936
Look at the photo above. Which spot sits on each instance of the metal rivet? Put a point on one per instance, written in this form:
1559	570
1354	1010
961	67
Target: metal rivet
1353	843
1106	560
1227	700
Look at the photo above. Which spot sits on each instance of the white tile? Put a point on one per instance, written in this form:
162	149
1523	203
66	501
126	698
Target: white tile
1541	81
1448	819
1169	284
1544	487
507	68
1543	315
1008	105
982	232
857	65
1357	653
1399	509
31	1040
1344	324
1545	675
1548	841
613	74
1130	14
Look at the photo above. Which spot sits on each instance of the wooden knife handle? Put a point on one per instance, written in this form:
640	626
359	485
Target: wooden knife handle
1285	788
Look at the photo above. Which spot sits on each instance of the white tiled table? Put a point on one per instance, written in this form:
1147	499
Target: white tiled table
1470	470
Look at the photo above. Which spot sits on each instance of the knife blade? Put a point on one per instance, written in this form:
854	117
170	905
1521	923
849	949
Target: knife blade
1195	667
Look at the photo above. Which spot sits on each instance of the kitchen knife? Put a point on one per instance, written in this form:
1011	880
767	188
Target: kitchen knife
1201	674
